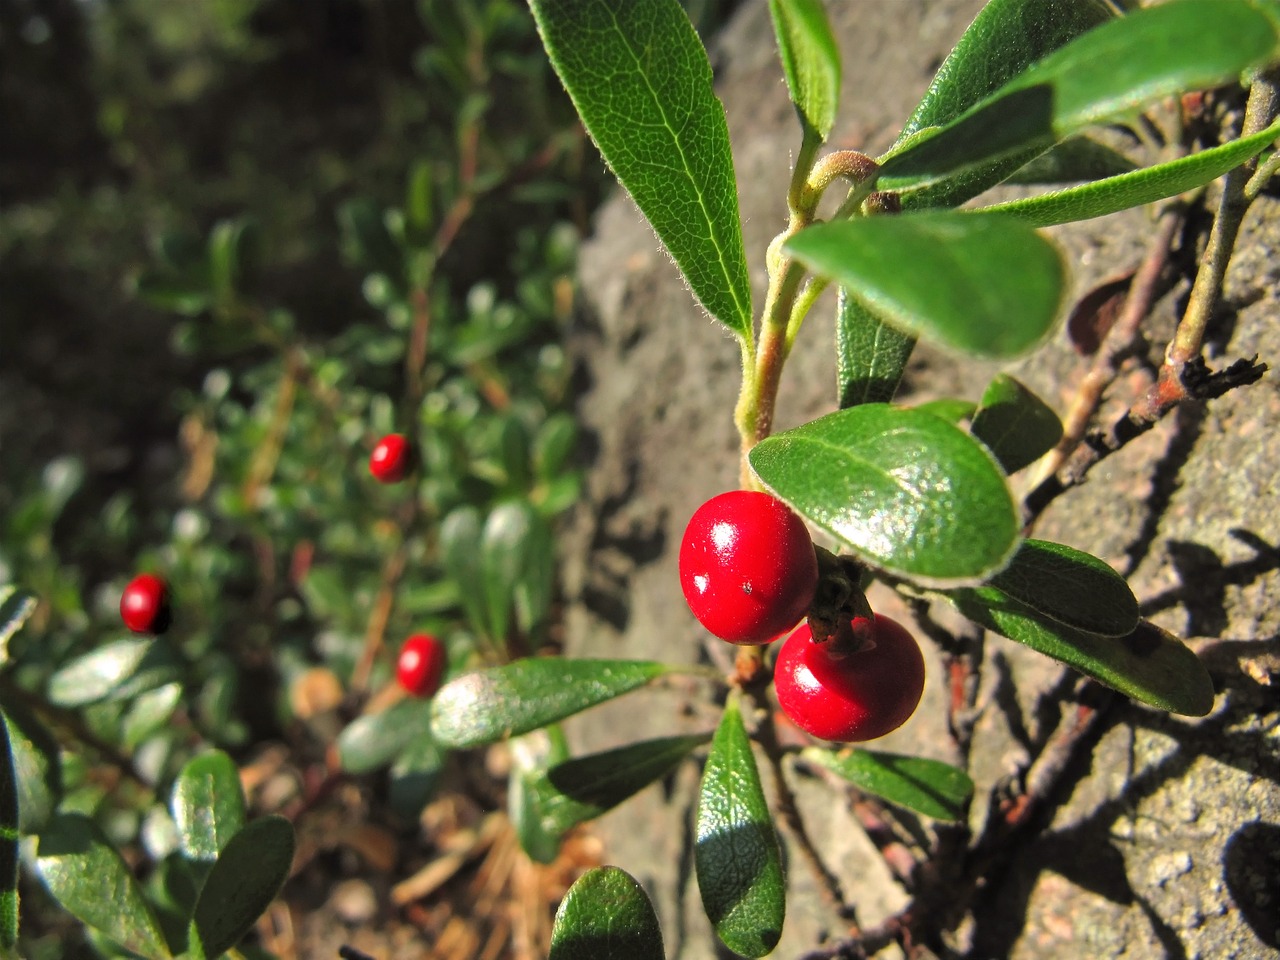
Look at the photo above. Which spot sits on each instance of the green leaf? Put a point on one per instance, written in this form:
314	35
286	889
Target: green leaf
460	554
871	355
606	915
415	774
581	789
1016	425
1071	587
1004	39
950	409
810	60
15	607
508	554
89	878
375	739
208	805
905	490
184	294
37	766
931	787
244	880
232	252
993	291
640	79
736	853
490	705
1078	158
1150	664
148	713
1107	73
117	671
9	791
1133	189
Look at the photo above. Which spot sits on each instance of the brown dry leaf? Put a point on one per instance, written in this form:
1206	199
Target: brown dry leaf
315	691
1096	311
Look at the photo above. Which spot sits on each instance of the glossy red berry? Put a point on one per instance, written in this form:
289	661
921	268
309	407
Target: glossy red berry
860	696
747	566
421	665
144	605
389	461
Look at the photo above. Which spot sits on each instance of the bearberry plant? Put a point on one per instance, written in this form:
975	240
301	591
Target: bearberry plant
918	498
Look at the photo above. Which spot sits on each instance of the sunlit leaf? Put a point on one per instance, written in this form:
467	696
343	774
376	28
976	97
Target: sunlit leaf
931	787
15	607
244	880
506	701
810	60
37	768
995	290
736	852
640	79
208	805
1071	587
8	842
96	675
606	915
905	490
375	739
1016	425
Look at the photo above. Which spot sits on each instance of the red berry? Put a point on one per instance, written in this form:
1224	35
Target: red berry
389	461
144	605
859	696
421	665
747	566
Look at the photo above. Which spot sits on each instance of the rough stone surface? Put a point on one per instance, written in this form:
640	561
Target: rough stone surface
1168	844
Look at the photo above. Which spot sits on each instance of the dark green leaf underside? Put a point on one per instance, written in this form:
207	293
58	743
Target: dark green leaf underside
871	355
490	705
905	490
245	879
606	915
930	787
1016	425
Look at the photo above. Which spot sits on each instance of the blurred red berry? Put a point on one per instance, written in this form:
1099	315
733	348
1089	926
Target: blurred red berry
389	461
421	665
144	605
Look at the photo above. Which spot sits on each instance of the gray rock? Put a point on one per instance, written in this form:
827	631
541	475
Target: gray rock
1167	844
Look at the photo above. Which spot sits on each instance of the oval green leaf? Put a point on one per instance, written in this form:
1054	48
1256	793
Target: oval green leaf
37	768
930	787
639	77
208	805
1107	73
491	705
736	853
244	880
118	670
1016	425
460	554
8	841
89	878
1071	587
905	490
871	355
993	291
415	774
1150	664
375	739
15	607
810	60
606	915
1138	187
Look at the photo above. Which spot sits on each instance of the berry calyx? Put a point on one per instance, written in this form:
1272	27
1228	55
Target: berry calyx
389	461
144	605
747	566
421	665
851	696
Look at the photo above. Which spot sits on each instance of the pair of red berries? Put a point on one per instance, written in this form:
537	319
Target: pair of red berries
749	573
420	666
389	462
144	605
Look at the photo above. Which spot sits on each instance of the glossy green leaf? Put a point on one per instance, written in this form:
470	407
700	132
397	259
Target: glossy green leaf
244	880
1149	665
640	79
460	553
1071	587
15	607
871	355
1141	186
375	739
1004	39
148	713
1107	73
931	787
37	768
208	805
1016	425
905	490
490	705
1077	158
509	559
606	915
736	853
810	60
950	409
118	671
89	878
583	788
528	788
8	841
415	774
993	291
